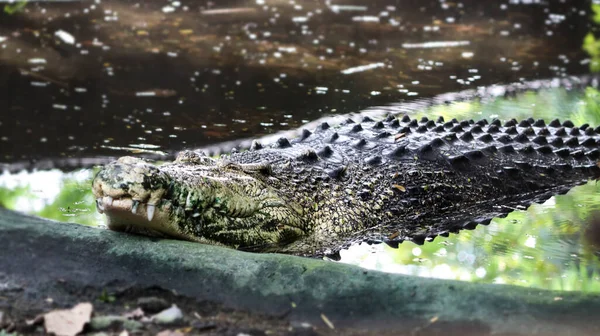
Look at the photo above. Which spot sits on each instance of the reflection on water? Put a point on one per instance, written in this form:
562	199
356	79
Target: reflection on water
108	74
552	245
65	197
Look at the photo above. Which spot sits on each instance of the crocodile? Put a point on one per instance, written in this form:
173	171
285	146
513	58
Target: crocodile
372	180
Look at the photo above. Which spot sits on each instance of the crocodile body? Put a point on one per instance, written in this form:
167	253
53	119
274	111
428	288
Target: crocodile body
370	180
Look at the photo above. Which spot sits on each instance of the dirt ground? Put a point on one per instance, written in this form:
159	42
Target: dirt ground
25	315
198	317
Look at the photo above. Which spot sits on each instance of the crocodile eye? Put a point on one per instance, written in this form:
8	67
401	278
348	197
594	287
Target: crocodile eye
187	157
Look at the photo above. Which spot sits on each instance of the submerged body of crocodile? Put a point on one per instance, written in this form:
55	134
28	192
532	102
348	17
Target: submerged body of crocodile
387	180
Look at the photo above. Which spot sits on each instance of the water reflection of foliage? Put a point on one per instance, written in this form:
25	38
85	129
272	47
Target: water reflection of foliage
588	109
544	247
9	196
12	8
73	203
548	104
591	45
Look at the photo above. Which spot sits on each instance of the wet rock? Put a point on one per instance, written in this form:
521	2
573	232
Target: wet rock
114	322
152	304
168	316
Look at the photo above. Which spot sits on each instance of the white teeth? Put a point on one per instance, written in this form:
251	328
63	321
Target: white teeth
150	211
134	207
100	205
109	200
188	202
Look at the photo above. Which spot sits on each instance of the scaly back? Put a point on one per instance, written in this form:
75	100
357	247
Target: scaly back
398	179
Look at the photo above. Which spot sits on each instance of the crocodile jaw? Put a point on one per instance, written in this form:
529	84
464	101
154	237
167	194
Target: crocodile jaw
127	215
122	213
130	192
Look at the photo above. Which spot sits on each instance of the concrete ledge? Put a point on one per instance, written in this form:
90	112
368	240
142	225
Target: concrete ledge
45	255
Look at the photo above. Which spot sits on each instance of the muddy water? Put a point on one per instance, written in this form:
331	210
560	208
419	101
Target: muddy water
89	79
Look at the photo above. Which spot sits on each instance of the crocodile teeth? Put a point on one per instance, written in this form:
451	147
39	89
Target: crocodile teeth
188	202
150	211
100	205
134	206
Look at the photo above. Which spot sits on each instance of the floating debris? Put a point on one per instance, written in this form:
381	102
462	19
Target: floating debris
65	37
435	44
362	68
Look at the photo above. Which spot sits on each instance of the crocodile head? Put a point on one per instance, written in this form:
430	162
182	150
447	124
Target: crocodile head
130	193
195	198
